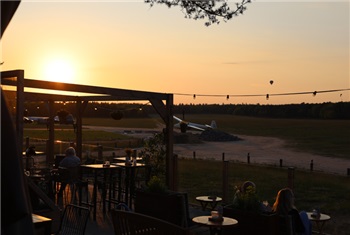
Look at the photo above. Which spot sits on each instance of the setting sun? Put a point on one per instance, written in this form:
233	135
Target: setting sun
59	71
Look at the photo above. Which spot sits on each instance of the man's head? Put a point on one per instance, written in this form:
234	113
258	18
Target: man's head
70	151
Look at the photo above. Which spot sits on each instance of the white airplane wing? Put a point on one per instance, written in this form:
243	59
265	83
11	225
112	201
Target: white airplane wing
191	125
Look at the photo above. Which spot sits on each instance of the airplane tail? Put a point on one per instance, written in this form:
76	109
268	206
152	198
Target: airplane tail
213	124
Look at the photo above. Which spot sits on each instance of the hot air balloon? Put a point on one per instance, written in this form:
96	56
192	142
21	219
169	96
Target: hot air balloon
271	82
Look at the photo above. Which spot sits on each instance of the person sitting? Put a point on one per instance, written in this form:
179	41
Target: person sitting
68	169
71	160
291	220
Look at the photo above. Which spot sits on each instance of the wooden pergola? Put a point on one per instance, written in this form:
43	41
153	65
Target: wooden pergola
15	78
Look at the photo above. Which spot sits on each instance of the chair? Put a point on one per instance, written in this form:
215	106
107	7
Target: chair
29	163
74	220
128	222
72	178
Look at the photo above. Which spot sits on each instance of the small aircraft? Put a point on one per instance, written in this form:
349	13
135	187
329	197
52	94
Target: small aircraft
39	120
184	125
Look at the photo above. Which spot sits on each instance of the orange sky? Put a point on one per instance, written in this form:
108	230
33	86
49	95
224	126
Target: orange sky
300	46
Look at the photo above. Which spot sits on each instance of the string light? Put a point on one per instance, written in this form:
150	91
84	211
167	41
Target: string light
264	95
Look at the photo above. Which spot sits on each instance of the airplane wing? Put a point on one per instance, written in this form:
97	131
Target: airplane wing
183	125
194	126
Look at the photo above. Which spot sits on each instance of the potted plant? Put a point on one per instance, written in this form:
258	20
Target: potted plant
246	207
157	201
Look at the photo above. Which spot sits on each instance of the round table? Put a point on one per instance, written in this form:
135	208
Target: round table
215	227
205	200
319	221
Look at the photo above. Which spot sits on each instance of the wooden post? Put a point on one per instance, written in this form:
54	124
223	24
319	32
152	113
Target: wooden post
225	182
27	142
223	156
51	150
248	158
194	155
100	150
312	165
281	162
176	172
291	177
348	171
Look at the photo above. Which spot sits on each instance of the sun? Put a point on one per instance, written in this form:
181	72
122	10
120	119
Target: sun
59	70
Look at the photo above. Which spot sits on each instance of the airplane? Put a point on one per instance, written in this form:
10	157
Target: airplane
44	120
39	120
184	125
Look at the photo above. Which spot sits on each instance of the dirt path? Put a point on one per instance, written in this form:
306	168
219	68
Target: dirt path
262	150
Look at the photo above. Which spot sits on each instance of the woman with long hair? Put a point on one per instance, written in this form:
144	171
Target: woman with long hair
291	219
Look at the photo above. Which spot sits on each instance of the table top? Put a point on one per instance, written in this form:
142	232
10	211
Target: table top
37	176
38	218
122	164
98	166
323	217
36	153
208	199
123	158
204	220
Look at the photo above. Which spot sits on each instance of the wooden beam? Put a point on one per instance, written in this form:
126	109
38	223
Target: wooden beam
127	94
159	106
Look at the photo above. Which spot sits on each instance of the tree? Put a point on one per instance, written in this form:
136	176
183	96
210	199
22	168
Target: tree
211	10
62	115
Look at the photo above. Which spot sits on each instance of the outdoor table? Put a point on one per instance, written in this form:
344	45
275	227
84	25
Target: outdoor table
319	220
215	227
96	168
211	200
42	223
129	180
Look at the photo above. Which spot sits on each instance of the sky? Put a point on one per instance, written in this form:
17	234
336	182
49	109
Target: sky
300	46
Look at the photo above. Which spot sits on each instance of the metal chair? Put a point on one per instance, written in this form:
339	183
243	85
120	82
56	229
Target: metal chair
74	220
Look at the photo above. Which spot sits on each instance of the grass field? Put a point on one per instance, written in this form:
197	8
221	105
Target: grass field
329	193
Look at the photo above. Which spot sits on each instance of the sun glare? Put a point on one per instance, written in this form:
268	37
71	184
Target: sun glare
59	71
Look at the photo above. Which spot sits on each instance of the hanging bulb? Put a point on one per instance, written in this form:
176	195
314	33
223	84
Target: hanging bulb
267	96
194	96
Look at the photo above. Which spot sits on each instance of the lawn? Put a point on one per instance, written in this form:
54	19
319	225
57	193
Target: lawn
329	193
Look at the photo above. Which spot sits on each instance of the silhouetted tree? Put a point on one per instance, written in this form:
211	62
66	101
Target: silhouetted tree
62	115
211	10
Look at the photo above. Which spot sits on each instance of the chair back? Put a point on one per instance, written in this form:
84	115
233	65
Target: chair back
74	220
128	222
69	175
286	225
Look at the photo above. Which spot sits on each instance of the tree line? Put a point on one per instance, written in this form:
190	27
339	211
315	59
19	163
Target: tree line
340	110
